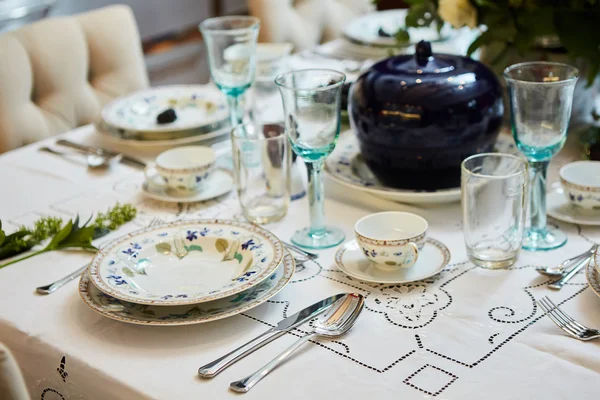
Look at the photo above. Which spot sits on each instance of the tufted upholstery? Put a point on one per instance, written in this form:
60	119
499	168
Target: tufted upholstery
57	74
305	23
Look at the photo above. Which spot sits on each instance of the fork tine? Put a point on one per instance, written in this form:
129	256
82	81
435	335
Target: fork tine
554	319
565	314
558	313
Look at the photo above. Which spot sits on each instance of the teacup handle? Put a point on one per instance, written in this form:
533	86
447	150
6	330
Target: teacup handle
152	176
415	250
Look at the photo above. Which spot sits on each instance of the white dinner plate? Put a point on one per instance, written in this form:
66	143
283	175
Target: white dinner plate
560	208
432	259
346	166
120	138
132	313
219	183
195	105
186	262
364	30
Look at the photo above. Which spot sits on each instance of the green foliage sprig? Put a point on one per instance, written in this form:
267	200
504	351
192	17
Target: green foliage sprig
69	236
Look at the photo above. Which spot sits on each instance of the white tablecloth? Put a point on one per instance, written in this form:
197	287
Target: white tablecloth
467	333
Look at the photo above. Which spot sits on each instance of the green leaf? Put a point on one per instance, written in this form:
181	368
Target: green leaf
221	245
402	36
2	234
63	233
79	238
193	247
238	257
128	272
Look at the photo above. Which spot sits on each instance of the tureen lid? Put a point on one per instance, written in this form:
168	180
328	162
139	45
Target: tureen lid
424	62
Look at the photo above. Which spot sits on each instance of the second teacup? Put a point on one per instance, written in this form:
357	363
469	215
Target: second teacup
391	239
184	169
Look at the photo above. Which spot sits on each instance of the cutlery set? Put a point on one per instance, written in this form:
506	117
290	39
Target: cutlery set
96	158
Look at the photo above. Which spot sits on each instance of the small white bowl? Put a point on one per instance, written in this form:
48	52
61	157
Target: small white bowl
581	183
184	169
392	239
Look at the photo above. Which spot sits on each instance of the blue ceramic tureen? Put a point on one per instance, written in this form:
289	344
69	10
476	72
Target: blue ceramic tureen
418	116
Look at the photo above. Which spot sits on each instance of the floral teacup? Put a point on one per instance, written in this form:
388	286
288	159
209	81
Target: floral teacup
183	169
581	183
392	240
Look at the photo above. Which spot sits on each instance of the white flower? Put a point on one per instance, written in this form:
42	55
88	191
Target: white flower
458	13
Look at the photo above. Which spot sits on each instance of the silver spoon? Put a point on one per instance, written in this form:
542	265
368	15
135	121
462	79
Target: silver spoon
94	161
334	322
561	268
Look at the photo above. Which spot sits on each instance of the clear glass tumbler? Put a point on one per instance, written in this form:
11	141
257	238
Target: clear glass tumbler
494	192
231	46
262	164
311	104
541	98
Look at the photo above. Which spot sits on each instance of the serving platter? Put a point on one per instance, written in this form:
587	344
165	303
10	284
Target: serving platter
346	166
139	314
186	262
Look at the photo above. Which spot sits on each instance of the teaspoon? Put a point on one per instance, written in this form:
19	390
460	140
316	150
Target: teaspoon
561	268
334	322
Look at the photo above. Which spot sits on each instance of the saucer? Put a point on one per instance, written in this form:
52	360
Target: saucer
217	184
591	273
560	208
432	259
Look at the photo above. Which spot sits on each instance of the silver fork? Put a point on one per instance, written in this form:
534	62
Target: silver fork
52	287
566	323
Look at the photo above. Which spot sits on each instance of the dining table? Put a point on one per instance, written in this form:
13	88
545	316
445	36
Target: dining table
465	333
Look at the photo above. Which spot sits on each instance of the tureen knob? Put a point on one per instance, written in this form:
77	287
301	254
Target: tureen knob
423	52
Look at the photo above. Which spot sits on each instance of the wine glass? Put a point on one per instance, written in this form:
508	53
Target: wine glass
311	105
231	45
541	97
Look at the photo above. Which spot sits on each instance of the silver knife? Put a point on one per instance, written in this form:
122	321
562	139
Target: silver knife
213	368
101	152
567	277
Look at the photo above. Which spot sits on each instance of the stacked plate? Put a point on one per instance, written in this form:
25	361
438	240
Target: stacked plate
592	272
199	112
346	166
186	272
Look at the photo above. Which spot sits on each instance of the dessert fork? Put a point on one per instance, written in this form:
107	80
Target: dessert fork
565	322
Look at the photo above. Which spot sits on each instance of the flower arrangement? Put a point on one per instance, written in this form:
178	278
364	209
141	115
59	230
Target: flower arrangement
518	24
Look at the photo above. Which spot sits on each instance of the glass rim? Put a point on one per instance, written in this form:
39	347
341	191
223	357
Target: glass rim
341	76
521	159
510	68
252	123
255	23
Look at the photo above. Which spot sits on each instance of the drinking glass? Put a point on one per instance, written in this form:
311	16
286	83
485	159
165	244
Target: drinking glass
494	191
271	61
311	105
231	46
261	160
541	97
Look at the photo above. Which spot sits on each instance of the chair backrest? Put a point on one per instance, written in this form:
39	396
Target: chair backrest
12	385
57	74
305	23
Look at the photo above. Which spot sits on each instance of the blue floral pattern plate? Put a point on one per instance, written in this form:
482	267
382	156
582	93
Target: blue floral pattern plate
186	262
142	314
346	166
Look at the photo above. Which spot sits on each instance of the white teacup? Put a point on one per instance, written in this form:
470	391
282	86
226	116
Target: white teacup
392	240
184	169
581	183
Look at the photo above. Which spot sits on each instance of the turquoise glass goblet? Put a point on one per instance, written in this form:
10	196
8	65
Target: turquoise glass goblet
541	98
231	46
311	107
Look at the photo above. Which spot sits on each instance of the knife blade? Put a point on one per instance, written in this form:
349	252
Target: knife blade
213	368
102	152
567	277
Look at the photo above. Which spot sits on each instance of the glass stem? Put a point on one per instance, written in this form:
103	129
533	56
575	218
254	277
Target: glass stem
537	195
316	197
236	110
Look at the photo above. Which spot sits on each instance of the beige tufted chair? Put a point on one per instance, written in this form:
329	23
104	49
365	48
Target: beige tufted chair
305	23
57	74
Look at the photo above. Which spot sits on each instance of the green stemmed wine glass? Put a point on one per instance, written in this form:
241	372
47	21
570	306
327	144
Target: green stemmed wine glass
311	106
231	46
541	97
